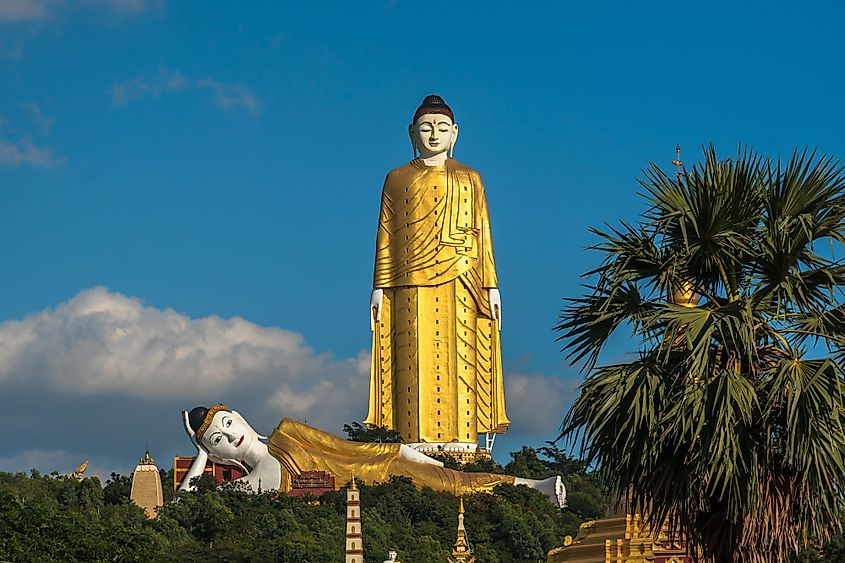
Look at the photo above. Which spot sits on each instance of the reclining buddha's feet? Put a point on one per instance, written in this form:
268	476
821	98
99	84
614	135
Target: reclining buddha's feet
552	487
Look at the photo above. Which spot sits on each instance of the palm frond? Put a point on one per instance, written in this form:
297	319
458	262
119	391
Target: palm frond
588	322
722	425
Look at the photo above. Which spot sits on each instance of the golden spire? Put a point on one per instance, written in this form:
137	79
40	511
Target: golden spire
147	460
461	553
685	294
678	162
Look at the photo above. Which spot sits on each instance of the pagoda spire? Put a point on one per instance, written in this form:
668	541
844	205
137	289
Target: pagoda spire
461	553
146	486
354	546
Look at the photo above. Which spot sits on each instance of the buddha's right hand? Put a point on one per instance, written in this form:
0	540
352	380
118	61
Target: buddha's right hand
376	300
190	431
201	451
197	468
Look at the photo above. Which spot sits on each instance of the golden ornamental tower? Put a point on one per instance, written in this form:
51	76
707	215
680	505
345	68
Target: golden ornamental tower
354	545
146	486
461	553
79	472
436	374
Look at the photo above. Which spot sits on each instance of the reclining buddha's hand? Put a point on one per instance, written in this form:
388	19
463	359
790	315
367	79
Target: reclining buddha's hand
198	466
409	453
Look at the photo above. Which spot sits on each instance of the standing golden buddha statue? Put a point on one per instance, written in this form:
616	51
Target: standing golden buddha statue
436	374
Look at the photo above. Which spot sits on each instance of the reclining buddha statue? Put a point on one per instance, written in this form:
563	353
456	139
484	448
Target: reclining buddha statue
224	436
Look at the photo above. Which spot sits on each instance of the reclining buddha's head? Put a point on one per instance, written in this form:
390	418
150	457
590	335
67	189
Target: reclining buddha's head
222	432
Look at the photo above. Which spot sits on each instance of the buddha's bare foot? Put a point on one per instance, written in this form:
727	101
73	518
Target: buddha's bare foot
409	453
552	487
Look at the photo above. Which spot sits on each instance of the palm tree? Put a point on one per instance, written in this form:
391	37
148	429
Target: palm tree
728	422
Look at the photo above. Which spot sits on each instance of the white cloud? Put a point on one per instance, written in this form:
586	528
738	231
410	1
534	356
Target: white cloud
102	342
23	151
230	95
44	123
536	404
106	375
164	81
23	10
225	95
314	397
103	377
18	11
17	147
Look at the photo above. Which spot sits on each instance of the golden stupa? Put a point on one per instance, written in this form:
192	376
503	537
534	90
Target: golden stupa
146	486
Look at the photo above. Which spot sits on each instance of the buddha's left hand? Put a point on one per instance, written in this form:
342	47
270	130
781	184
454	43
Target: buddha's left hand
495	299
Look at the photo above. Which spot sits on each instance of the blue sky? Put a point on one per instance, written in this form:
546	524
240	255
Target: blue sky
189	191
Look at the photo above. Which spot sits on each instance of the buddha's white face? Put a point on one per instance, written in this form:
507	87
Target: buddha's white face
433	133
229	436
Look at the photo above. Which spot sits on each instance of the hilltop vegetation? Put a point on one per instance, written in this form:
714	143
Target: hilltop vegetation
56	518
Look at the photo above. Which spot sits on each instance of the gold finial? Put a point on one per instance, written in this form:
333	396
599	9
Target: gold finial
461	552
77	474
685	295
678	162
353	486
147	460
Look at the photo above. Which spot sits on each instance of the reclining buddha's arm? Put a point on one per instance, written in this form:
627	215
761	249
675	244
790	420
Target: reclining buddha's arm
198	466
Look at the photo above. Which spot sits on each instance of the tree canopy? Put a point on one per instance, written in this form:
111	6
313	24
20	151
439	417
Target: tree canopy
53	518
357	432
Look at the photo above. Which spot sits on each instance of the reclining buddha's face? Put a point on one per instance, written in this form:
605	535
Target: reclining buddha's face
229	436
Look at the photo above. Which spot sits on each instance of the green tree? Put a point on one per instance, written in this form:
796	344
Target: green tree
54	518
730	418
358	432
117	490
527	464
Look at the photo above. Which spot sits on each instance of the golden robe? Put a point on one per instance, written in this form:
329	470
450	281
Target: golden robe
436	373
300	447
